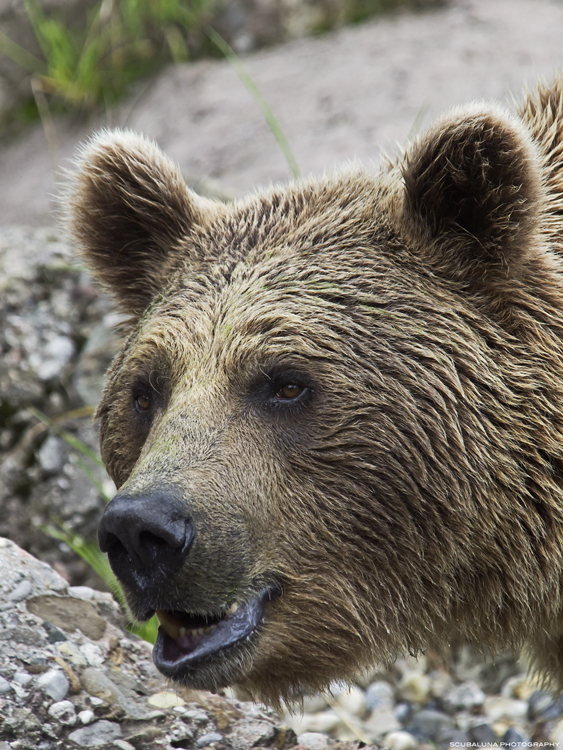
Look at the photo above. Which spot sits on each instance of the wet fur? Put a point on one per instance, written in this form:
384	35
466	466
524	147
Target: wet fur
416	495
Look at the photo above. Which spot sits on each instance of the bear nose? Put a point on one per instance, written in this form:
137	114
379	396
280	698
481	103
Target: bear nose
147	532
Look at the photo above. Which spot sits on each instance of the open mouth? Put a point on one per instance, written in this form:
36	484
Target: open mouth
184	640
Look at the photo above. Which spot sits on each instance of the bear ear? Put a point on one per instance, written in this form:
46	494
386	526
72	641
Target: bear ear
473	194
128	208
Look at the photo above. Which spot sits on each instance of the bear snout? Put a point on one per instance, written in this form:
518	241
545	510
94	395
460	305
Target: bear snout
146	536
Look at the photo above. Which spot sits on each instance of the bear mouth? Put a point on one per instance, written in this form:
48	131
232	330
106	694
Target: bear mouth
185	641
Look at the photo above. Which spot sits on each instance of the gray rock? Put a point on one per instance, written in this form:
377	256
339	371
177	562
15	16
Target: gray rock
22	678
63	712
54	683
465	697
197	715
545	706
379	693
512	738
4	686
450	738
427	724
95	735
251	734
52	455
208	739
482	734
50	362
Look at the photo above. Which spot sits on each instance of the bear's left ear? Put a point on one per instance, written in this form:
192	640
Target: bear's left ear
472	195
128	208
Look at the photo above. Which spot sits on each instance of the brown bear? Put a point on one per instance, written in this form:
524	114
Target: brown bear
337	423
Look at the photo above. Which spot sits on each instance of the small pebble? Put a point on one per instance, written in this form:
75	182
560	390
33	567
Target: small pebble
22	678
400	741
428	723
123	745
52	455
545	706
378	694
166	700
498	708
380	722
54	634
64	713
513	738
353	701
465	697
100	733
87	716
54	683
416	687
93	654
324	721
483	734
313	740
208	739
200	717
4	685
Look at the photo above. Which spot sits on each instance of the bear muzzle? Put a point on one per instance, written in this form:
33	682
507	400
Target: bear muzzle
148	538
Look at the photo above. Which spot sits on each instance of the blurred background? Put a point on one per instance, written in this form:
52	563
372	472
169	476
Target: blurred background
241	93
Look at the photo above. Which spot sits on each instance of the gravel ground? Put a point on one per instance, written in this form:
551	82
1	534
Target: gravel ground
70	676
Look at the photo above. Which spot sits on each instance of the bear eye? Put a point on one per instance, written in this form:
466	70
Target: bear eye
289	392
142	402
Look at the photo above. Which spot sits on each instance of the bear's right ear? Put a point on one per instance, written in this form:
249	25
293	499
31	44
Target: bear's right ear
127	208
473	195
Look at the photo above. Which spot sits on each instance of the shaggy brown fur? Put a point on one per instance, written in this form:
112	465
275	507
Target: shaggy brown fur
413	491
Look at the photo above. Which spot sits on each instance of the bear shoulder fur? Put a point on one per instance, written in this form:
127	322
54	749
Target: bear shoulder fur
336	426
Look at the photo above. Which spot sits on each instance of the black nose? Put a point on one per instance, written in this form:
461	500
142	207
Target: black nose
148	534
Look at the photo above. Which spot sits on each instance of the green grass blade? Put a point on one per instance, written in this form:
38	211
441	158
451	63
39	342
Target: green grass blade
21	56
73	441
269	116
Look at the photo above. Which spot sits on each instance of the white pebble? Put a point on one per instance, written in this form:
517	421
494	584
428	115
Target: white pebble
123	745
324	721
415	687
313	740
381	721
353	700
63	712
22	678
87	716
54	683
498	708
400	741
93	654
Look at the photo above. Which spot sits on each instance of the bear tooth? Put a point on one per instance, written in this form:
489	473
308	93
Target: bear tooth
168	624
182	632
